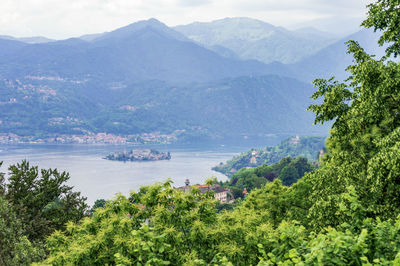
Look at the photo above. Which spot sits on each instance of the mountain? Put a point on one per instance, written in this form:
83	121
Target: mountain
146	77
126	31
10	47
154	24
337	26
255	39
141	51
31	40
243	106
333	59
311	32
90	37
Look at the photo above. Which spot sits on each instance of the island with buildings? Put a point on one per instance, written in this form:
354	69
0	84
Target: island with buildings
139	155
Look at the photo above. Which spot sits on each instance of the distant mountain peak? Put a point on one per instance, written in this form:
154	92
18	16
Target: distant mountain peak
237	20
232	22
139	26
144	23
30	40
255	39
232	28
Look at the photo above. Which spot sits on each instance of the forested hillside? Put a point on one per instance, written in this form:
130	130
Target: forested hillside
307	147
148	78
228	107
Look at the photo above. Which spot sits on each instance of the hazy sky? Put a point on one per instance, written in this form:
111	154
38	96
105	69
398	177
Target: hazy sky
67	18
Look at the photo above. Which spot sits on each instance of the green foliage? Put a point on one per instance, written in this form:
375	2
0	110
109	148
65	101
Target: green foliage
41	199
362	146
384	16
289	175
307	147
162	226
15	248
157	225
99	203
288	170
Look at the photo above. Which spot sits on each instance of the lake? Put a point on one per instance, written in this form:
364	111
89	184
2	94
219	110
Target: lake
98	178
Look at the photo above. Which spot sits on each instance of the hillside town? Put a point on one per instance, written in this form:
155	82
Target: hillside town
91	138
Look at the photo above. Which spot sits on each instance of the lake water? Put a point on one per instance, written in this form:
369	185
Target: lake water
99	178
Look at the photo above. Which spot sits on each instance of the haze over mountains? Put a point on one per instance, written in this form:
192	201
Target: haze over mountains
234	76
255	39
141	51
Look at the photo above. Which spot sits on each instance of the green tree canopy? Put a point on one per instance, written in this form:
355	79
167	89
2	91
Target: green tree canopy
15	248
383	16
365	110
41	199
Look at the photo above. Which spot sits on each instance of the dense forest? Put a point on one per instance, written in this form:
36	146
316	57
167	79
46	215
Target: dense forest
345	212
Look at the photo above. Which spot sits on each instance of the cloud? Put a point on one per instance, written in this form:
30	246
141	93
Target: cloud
68	18
193	3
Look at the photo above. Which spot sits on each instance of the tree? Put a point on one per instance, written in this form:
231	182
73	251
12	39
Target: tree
99	203
289	175
156	226
15	248
366	113
41	199
384	16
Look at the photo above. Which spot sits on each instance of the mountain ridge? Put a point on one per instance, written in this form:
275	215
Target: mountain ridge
255	39
139	51
147	77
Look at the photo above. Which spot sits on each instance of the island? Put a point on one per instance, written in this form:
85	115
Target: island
139	155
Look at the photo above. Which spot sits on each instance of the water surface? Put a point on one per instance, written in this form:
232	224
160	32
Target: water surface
98	178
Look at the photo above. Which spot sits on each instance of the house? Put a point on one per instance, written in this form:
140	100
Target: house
244	192
295	141
223	195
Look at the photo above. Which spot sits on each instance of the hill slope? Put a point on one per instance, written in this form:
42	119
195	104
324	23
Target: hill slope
307	147
230	107
333	60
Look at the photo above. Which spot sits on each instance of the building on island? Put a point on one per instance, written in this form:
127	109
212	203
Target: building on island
295	141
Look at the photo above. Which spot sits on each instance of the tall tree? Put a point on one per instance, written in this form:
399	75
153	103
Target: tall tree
366	113
15	248
41	199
